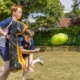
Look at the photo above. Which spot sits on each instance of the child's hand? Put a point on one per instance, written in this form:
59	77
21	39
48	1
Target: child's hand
37	49
7	36
31	68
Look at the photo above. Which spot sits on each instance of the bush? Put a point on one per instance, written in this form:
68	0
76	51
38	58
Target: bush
42	38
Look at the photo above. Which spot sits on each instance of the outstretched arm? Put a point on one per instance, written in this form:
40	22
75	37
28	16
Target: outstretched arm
24	51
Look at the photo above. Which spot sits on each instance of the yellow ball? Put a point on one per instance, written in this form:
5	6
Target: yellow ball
59	39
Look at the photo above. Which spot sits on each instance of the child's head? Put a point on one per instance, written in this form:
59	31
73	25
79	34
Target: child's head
28	34
16	11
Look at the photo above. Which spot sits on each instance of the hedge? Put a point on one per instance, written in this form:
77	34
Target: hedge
42	38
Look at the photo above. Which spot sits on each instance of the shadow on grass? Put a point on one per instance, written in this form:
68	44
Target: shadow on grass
31	79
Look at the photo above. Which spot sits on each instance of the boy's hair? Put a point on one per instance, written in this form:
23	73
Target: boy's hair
29	32
15	7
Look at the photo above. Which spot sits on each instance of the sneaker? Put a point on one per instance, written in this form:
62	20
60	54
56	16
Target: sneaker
40	60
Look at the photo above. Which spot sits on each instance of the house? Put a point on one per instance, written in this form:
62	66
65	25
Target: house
64	22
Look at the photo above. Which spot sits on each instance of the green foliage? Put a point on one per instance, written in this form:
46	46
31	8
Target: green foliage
5	9
75	22
75	8
51	9
69	15
43	38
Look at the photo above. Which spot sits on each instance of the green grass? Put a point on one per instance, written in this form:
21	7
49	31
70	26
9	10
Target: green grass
58	65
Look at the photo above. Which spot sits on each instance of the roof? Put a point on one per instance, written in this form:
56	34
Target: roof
65	22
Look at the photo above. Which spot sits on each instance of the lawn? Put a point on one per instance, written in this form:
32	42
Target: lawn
58	65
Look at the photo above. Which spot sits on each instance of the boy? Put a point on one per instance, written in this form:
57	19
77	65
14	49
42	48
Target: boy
26	42
16	11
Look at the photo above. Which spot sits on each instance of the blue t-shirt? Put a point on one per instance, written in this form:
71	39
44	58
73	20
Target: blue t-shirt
26	45
5	22
4	25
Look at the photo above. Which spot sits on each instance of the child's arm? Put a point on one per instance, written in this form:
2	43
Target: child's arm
2	32
24	51
5	23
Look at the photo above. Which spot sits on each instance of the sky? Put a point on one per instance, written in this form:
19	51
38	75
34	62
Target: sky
67	4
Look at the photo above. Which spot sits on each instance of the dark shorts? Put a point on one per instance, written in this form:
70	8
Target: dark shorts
25	55
4	53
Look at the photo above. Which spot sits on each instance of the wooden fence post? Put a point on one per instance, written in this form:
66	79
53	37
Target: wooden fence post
79	42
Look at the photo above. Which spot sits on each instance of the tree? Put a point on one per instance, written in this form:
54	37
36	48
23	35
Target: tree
75	13
5	9
53	12
75	8
51	9
75	22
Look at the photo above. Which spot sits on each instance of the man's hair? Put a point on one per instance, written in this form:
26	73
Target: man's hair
29	32
15	7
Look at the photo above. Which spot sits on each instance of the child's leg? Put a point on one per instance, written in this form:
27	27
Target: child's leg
38	60
25	74
31	67
26	60
6	75
32	62
30	58
25	71
4	71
